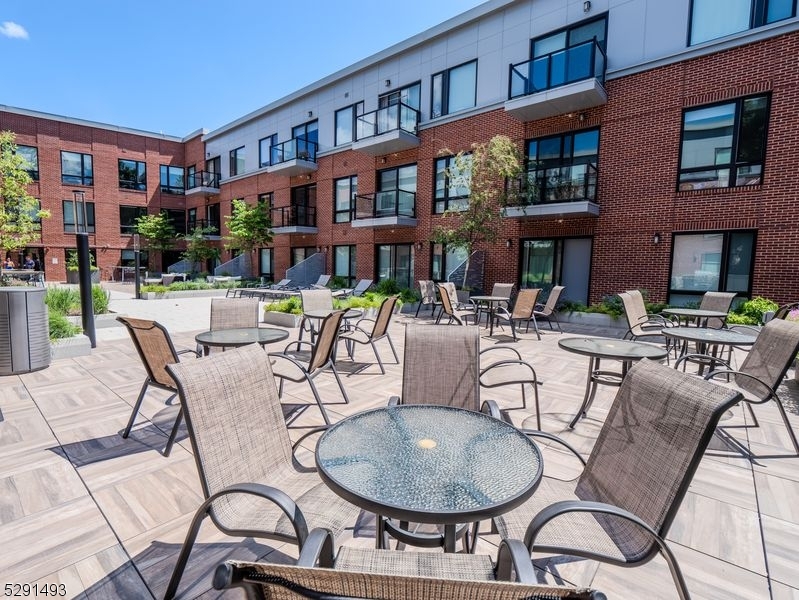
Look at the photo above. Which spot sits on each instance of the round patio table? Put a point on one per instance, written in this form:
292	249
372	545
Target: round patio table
233	338
708	341
318	314
491	301
694	314
596	348
428	464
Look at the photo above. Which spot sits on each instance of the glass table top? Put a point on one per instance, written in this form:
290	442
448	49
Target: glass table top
612	348
432	464
710	336
241	337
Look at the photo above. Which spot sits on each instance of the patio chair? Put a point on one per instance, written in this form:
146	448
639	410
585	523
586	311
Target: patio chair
640	324
252	486
523	311
458	315
156	350
371	574
762	371
359	334
359	290
428	291
620	508
231	313
509	368
549	311
295	365
783	311
321	282
321	299
720	301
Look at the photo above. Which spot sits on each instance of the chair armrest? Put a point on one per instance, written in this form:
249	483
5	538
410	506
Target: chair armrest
296	343
394	401
502	348
194	352
506	362
554	438
318	549
291	359
727	372
490	407
299	466
514	557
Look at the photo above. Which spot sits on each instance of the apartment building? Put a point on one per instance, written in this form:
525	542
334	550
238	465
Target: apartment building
657	136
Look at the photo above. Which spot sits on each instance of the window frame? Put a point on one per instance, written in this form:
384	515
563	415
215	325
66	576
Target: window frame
82	179
130	228
139	184
440	250
237	161
69	226
352	258
353	191
356	110
758	17
461	201
445	91
34	171
169	188
265	158
393	266
179	225
396	96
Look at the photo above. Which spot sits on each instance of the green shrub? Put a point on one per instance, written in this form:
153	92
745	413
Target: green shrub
387	287
100	300
337	282
610	305
156	288
60	327
292	305
751	311
63	300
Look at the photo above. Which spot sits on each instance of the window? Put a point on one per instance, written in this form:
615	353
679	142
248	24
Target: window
30	155
446	262
177	217
300	253
410	95
237	161
307	137
76	168
128	258
132	175
345	123
265	268
172	180
724	145
266	198
452	183
303	206
561	261
68	207
212	218
712	19
265	150
396	192
344	263
716	261
344	190
214	165
454	89
128	216
562	168
395	261
568	55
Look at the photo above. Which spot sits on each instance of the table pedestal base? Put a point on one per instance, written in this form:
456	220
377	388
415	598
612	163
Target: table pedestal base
403	535
595	377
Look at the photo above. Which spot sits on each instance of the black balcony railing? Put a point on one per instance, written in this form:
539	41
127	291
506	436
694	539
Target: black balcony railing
393	203
557	68
395	117
296	215
295	148
566	183
202	179
192	224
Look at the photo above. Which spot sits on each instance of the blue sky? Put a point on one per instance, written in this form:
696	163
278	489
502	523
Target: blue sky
175	66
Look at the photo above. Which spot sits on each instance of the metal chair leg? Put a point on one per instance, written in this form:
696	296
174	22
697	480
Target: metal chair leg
136	408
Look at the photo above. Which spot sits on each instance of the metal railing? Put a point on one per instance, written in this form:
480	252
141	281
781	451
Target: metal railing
397	116
393	203
566	183
295	148
192	224
296	215
557	68
202	179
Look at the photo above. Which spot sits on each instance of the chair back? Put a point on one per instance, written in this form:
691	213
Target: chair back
442	366
720	301
233	415
504	290
282	283
233	313
155	348
453	293
634	310
325	345
525	303
384	316
649	448
770	357
316	299
323	280
552	300
446	299
361	287
428	291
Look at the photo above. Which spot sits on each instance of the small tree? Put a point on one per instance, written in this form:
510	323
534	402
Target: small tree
157	230
21	215
250	227
198	250
483	172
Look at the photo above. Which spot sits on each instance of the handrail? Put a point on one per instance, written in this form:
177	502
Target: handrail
559	183
557	68
392	203
296	215
295	148
398	116
202	179
191	225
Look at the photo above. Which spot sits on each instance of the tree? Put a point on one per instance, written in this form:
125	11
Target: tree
198	250
21	215
483	172
250	227
158	230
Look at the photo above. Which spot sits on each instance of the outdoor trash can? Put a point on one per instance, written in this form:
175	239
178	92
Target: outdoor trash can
24	330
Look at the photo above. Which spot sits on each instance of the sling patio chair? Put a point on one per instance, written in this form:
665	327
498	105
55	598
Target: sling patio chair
320	299
427	289
508	368
458	315
523	311
359	290
640	324
620	508
251	484
360	573
297	365
761	373
360	333
720	301
549	311
321	282
784	311
232	313
156	351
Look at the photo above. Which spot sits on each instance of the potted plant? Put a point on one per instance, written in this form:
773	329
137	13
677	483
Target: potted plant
72	267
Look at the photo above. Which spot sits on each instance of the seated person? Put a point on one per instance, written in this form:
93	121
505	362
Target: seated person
37	264
8	263
28	263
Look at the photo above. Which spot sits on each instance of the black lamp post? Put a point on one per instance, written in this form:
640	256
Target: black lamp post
136	266
84	265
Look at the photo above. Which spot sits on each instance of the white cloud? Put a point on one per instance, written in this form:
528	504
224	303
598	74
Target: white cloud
12	30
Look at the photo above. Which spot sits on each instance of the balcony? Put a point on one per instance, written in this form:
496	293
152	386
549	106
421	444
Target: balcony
387	130
193	224
296	156
568	190
297	218
394	208
558	83
202	182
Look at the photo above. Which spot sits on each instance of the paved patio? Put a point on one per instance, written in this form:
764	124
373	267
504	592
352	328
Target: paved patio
104	516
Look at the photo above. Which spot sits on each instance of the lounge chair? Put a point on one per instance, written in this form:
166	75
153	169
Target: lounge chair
359	290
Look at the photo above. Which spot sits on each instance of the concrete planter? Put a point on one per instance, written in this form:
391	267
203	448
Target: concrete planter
592	319
281	319
183	294
100	321
72	276
71	347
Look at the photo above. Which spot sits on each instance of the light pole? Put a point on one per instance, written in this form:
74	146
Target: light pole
84	265
136	265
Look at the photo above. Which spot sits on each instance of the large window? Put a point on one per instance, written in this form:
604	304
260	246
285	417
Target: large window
344	263
396	192
128	216
172	181
395	261
724	145
300	253
454	89
561	168
127	258
307	136
345	190
410	95
132	175
68	208
446	262
561	261
265	263
237	161
716	261
265	150
711	19
177	217
76	168
345	123
30	155
303	206
452	179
